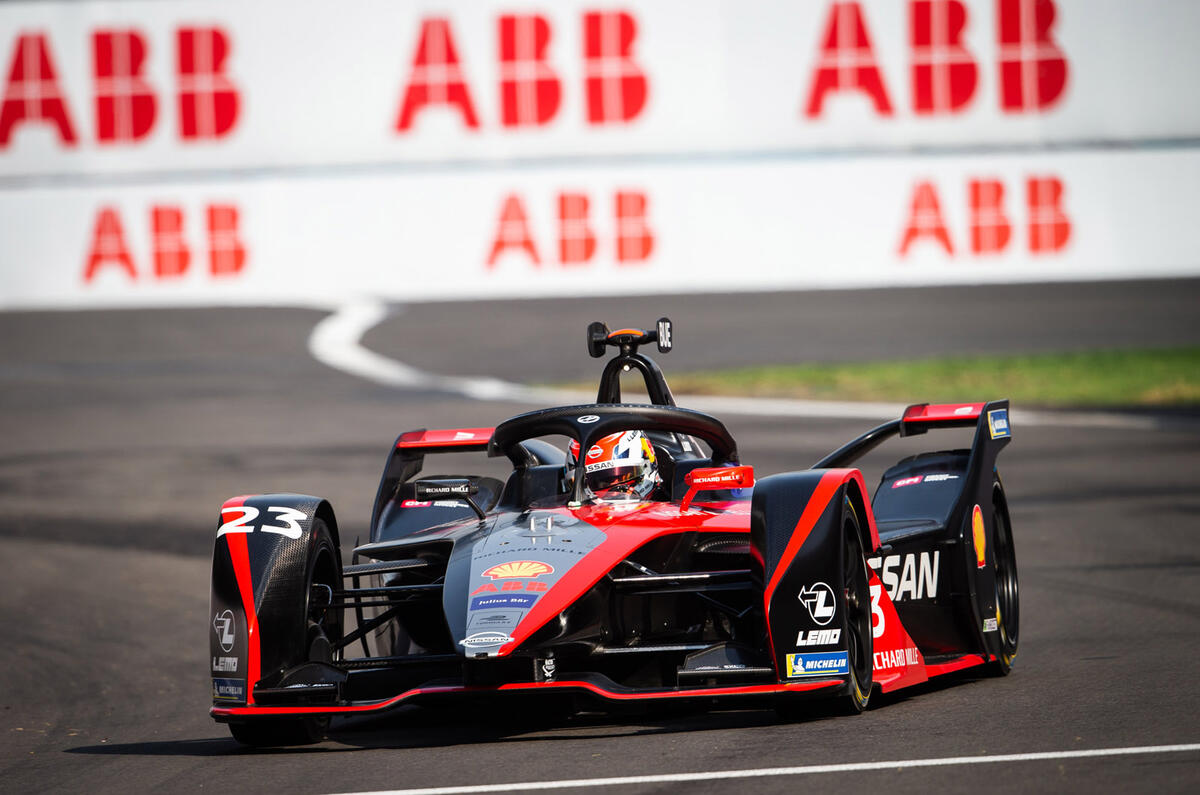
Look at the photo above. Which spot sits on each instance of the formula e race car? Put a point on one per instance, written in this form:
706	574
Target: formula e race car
635	560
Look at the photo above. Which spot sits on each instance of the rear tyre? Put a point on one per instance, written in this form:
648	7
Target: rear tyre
1008	605
322	627
856	599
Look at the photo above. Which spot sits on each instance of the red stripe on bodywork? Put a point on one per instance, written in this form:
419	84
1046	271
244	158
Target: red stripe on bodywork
966	661
830	482
239	554
649	695
625	531
894	642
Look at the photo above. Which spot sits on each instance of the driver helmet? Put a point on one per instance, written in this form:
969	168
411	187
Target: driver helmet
620	466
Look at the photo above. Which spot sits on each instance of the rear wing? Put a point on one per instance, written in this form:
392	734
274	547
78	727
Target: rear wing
407	456
990	419
454	440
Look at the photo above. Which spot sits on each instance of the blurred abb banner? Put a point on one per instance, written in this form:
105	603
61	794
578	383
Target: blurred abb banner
631	229
223	151
119	87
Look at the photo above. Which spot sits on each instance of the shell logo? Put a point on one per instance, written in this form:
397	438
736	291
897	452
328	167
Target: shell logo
980	538
519	568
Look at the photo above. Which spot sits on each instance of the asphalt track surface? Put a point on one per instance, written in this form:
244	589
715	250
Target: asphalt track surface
122	433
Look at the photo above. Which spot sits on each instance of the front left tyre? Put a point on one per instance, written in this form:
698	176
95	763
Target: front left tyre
322	628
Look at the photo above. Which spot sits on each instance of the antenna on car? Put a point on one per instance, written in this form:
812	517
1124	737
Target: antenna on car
627	341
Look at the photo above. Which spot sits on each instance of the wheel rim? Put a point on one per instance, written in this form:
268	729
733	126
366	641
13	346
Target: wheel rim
323	624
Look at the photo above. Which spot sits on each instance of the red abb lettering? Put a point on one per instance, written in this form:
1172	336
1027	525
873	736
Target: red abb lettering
108	245
925	219
530	91
1033	70
847	62
944	74
208	99
436	77
576	241
634	238
512	231
171	255
1049	227
512	585
32	92
226	253
990	227
615	85
125	103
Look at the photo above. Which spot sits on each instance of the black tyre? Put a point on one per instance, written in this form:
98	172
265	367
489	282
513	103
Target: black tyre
322	627
856	597
856	610
1008	604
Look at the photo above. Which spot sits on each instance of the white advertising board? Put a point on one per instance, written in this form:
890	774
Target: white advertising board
691	228
136	87
220	152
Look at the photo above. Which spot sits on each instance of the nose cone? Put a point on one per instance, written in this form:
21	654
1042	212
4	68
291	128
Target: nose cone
494	579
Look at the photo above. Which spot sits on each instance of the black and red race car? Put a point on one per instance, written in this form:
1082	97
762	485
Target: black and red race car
528	586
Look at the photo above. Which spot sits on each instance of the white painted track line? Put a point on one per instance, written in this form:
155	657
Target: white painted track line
336	342
852	767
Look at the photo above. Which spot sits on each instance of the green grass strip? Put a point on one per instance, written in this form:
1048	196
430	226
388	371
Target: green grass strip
1168	377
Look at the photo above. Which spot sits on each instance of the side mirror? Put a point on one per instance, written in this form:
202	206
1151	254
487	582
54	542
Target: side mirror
463	488
715	478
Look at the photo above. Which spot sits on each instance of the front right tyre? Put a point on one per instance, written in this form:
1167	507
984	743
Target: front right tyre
856	600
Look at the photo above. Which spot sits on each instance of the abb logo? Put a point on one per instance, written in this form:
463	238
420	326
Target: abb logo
1030	67
126	103
633	239
614	86
990	230
171	255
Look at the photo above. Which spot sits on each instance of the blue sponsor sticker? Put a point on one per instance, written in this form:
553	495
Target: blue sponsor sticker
998	423
503	600
818	664
229	689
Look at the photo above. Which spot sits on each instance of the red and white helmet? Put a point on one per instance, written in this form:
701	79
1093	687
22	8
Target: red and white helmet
620	466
